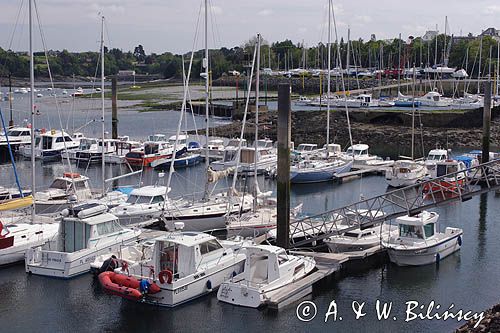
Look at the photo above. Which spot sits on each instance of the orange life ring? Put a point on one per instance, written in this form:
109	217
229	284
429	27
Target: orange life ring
166	274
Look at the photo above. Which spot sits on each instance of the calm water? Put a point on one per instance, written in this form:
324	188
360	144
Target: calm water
467	278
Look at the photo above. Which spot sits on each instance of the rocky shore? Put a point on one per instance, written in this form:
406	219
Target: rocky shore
490	323
310	127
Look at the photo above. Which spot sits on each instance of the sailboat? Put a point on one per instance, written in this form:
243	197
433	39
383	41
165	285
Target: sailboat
17	237
208	212
321	167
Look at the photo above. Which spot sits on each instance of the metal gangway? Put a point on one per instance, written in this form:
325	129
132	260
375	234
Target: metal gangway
411	200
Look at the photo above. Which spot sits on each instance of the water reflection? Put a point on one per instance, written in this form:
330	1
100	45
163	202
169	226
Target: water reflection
481	233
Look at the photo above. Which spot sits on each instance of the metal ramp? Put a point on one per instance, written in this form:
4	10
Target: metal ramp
409	200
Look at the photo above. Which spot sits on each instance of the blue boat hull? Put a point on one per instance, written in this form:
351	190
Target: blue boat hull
182	162
318	176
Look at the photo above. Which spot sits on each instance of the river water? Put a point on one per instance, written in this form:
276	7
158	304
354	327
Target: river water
466	279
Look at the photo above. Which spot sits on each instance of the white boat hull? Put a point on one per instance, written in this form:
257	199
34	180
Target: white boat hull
425	256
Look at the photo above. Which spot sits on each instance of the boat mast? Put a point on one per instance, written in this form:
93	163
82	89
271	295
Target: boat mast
436	57
348	63
399	63
466	68
257	81
32	107
329	73
103	164
498	65
205	64
479	69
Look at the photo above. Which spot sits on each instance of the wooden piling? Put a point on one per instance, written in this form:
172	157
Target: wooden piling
114	109
486	122
283	174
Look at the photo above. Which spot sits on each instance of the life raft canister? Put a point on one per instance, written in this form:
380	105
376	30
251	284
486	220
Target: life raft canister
165	276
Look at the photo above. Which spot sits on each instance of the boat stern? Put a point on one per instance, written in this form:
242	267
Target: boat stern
240	294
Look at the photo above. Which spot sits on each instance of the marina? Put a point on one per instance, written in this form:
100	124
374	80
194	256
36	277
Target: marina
355	192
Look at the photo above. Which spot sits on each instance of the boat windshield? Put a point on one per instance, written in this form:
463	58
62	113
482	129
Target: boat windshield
138	199
60	184
410	231
435	157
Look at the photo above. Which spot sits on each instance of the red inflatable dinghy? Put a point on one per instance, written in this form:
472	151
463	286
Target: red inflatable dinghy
125	286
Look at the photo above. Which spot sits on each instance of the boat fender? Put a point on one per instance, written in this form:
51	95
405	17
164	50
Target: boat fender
165	276
209	285
144	286
459	240
438	258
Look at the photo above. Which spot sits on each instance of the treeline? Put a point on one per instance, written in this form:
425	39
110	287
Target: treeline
283	55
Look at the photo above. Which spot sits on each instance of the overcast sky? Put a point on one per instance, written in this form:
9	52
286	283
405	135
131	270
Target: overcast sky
169	25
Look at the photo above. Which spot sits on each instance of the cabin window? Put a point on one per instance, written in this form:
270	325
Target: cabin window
211	245
441	170
107	228
76	235
452	168
429	230
247	156
67	139
410	231
79	185
46	142
59	184
351	234
157	199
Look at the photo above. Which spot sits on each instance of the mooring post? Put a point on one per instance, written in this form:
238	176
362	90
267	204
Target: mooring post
114	110
486	122
283	177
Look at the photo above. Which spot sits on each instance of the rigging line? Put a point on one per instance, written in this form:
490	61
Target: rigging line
216	31
14	30
13	161
341	76
52	83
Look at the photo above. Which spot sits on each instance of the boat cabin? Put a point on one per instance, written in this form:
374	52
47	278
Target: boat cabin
235	143
433	96
262	264
333	148
57	140
450	166
181	141
364	98
306	148
157	138
148	195
419	227
185	253
437	155
265	143
358	150
73	183
87	144
83	226
17	134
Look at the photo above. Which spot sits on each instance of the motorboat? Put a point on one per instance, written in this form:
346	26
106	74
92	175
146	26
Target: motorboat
152	150
16	238
267	270
434	99
123	146
144	206
447	182
50	145
307	149
86	144
93	154
215	149
360	101
435	156
17	136
7	194
405	173
63	192
318	170
361	159
419	241
85	231
266	159
183	161
177	267
303	100
359	240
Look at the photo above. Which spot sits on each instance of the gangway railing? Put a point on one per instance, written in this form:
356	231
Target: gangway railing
410	200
